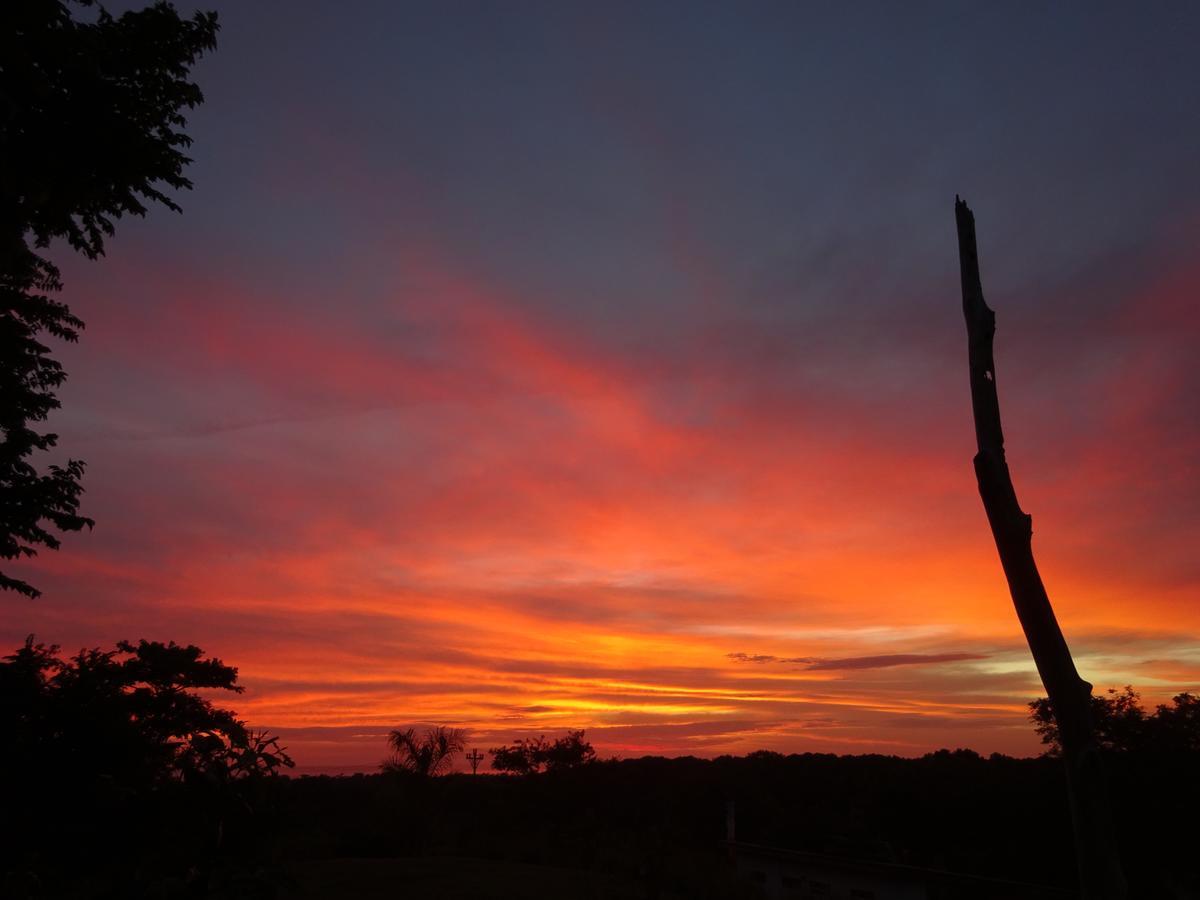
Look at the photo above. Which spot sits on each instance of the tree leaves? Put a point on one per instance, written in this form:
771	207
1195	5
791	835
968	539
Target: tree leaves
531	755
130	714
425	756
91	114
1123	726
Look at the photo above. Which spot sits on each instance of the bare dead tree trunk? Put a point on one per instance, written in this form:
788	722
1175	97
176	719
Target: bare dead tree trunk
1100	875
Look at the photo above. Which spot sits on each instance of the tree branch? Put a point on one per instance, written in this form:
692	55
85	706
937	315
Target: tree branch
1099	867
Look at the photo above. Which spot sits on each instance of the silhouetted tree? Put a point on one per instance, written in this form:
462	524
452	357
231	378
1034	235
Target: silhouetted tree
1176	727
90	129
531	755
115	763
131	716
1100	872
569	752
522	757
1123	726
430	754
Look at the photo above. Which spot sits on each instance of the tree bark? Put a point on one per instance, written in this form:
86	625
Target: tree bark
1100	875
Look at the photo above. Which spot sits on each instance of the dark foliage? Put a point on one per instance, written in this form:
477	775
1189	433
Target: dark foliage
425	756
91	119
112	761
532	755
1123	726
654	822
660	821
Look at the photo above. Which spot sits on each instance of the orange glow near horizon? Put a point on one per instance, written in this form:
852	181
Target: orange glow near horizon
504	527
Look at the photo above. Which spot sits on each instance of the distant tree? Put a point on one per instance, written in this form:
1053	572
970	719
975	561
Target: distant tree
1176	727
427	755
532	755
569	752
522	757
764	756
90	129
1122	725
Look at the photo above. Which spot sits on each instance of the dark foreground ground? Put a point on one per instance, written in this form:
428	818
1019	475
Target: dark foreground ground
452	878
648	828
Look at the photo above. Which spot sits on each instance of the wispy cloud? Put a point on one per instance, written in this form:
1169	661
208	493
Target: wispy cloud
859	662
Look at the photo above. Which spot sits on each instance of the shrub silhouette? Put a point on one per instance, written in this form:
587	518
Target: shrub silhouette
532	755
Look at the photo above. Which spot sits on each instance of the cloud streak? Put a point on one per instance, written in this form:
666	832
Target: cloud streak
885	661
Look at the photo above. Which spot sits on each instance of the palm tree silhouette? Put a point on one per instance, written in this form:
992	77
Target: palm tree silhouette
432	754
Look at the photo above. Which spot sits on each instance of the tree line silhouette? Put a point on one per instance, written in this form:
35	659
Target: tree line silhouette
172	794
433	752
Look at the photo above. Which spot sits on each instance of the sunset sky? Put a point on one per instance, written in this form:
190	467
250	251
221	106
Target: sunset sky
526	367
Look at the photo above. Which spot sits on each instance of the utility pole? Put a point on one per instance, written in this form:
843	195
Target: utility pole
1100	875
474	758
